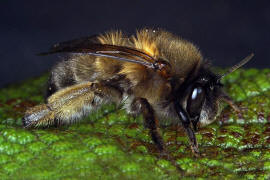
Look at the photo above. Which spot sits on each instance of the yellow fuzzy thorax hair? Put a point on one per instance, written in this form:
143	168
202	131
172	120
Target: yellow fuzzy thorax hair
143	41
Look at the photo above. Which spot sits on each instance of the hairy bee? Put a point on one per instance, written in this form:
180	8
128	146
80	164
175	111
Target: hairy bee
153	73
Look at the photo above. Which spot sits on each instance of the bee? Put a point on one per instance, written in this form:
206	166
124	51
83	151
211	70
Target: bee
153	73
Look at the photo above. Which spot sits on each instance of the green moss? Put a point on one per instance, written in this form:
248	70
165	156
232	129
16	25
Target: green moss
130	168
11	167
109	144
24	157
106	151
49	138
142	149
266	165
36	147
18	136
4	158
92	142
9	148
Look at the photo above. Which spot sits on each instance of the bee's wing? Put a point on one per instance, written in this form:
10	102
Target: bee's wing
91	45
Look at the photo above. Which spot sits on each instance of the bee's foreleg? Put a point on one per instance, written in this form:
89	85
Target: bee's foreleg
185	120
70	104
192	141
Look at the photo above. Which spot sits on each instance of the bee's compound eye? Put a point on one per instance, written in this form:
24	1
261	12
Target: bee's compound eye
195	101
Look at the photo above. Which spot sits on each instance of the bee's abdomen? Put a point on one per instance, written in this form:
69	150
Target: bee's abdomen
61	76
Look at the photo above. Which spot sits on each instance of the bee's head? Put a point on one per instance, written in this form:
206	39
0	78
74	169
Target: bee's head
198	98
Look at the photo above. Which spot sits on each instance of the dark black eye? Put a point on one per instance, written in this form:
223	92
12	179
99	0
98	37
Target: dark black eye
195	101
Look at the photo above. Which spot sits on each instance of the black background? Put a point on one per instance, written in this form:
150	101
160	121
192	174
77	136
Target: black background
225	30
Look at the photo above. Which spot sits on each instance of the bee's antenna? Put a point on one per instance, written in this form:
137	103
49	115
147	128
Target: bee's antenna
237	66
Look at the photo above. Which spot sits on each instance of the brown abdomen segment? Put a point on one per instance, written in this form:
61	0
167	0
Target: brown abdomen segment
61	76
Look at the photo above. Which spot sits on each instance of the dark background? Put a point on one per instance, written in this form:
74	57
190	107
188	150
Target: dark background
225	30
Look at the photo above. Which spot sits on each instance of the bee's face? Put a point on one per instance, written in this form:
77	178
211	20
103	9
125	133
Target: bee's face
210	105
200	101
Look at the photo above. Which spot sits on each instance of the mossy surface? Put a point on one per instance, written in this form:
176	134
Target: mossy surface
109	144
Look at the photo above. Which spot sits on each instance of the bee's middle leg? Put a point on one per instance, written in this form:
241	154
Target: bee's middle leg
141	106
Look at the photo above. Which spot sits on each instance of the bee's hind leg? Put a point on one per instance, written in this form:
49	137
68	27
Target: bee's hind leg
70	104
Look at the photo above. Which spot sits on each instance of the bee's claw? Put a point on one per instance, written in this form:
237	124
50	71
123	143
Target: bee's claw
195	150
